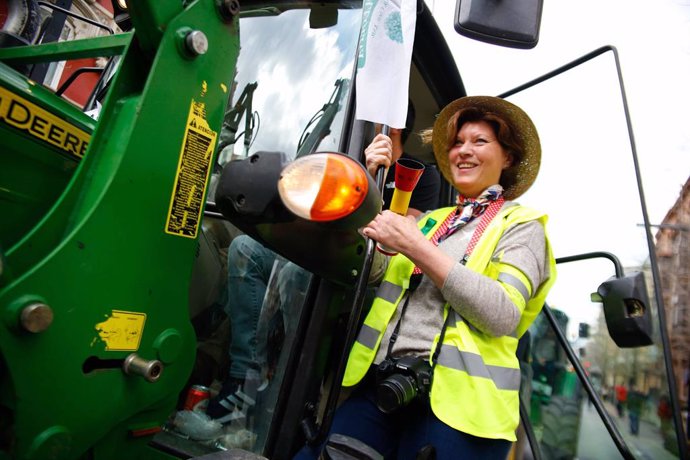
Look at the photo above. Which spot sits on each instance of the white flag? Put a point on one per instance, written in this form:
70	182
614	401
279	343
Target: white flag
383	63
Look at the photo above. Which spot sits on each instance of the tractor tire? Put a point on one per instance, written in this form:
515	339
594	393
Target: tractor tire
22	21
561	426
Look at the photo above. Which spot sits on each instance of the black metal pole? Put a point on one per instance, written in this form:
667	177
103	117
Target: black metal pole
579	370
352	324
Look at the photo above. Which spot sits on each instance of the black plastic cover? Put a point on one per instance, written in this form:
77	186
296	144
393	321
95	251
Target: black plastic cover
509	23
626	309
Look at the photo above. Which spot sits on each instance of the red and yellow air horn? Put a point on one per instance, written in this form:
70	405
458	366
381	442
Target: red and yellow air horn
407	174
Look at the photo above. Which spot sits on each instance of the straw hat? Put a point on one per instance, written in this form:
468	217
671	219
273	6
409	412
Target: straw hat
520	176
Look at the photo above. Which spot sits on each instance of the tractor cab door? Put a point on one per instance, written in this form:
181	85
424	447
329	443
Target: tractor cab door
597	377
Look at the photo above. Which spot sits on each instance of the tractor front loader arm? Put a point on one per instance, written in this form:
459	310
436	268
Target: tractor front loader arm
95	337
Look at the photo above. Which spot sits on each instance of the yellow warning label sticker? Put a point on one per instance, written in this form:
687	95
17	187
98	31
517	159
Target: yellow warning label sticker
122	330
193	169
19	113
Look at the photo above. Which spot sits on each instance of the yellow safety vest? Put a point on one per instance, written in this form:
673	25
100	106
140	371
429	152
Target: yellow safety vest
476	381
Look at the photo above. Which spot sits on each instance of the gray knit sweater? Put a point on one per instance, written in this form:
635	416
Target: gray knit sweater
479	299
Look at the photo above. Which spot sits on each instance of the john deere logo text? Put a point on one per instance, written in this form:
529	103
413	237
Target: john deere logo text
41	124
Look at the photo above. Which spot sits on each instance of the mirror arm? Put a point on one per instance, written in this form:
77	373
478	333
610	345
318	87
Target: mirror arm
595	255
594	397
564	68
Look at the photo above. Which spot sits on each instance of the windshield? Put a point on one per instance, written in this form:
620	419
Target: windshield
289	77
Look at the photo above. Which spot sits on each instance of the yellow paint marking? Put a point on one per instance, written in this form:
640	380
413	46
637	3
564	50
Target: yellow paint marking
122	331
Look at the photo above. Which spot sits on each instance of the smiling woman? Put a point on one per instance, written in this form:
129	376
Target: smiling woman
485	123
435	361
477	159
589	154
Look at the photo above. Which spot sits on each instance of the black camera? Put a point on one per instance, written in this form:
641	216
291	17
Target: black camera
401	380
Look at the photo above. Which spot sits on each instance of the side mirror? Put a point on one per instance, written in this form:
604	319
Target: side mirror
514	23
321	17
626	309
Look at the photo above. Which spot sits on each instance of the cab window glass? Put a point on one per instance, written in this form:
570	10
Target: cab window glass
289	78
290	92
588	187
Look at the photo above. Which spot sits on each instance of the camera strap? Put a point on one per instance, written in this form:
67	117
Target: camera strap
437	351
394	335
415	279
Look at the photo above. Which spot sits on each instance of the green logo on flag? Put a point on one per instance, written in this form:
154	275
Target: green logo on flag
367	10
380	20
394	27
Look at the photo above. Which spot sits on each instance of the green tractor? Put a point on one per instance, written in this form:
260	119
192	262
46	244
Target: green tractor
136	147
556	398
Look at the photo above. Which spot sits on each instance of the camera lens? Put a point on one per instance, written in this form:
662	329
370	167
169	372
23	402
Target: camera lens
394	392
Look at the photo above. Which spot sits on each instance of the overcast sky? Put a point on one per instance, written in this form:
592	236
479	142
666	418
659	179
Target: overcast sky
295	68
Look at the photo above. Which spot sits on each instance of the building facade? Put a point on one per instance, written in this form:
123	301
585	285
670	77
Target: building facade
673	257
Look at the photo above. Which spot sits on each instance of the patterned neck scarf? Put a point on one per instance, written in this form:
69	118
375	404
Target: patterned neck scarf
469	208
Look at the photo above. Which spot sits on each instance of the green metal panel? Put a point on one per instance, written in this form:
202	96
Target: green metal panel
43	139
109	260
111	45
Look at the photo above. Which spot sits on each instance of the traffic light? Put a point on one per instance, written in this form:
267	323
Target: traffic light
583	330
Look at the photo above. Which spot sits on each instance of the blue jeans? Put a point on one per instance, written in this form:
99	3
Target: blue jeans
250	266
293	282
403	434
634	422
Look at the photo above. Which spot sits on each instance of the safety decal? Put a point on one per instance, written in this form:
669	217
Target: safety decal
122	330
189	192
19	113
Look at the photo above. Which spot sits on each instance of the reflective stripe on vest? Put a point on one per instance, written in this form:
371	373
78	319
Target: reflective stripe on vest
368	336
511	280
503	377
472	363
388	291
